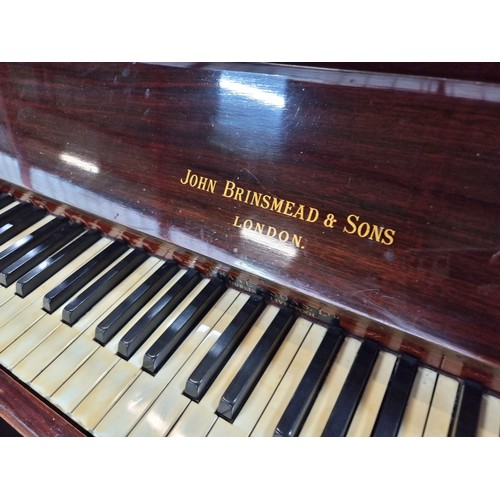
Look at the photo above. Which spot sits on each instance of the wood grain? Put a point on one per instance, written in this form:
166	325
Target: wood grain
28	415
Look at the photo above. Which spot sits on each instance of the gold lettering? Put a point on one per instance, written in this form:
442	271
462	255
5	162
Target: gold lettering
238	194
329	221
376	233
271	231
268	231
313	215
299	214
276	205
256	197
363	229
283	236
297	240
203	183
229	189
188	173
211	185
288	208
389	234
354	224
266	201
193	180
351	223
236	222
370	231
199	182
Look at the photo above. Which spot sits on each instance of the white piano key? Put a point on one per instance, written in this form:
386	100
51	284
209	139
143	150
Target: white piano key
61	368
38	359
69	361
200	417
489	417
92	408
195	421
39	328
28	340
222	428
20	323
66	370
74	390
441	410
103	397
34	362
271	378
122	416
417	409
327	397
6	293
145	389
369	405
284	392
162	415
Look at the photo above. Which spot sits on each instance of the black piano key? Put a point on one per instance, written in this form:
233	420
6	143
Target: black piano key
63	292
300	405
158	354
13	212
210	366
5	200
396	397
22	221
41	273
30	241
467	415
115	320
81	304
254	366
135	337
32	258
352	391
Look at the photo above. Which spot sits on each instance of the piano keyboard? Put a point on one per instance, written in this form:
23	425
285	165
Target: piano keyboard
127	344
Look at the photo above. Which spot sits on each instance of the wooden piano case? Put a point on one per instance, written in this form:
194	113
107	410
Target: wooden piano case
369	196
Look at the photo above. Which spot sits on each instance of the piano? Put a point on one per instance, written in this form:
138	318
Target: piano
248	250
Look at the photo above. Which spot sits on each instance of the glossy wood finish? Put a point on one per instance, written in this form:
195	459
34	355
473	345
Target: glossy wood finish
475	72
28	415
418	155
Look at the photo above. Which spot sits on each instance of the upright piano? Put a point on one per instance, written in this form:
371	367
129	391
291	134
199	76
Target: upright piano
248	250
